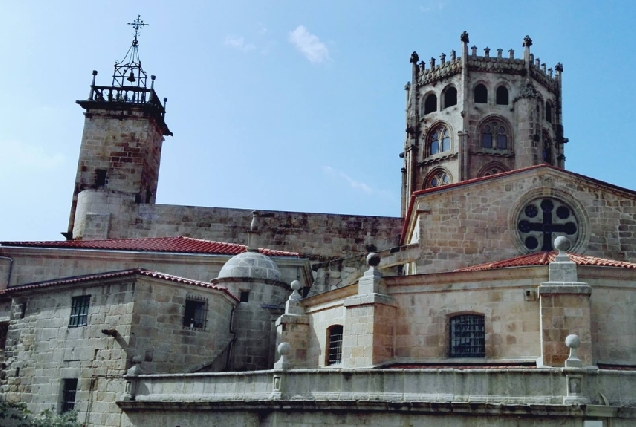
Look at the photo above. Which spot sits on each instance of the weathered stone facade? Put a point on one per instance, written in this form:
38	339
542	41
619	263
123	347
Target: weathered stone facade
466	315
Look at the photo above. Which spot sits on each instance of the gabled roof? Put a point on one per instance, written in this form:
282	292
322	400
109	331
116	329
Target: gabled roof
179	244
415	194
545	258
115	274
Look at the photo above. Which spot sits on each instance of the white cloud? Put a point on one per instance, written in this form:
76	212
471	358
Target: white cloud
21	157
352	182
309	45
238	43
432	6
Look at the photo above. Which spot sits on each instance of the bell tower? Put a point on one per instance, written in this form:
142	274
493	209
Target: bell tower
124	129
476	115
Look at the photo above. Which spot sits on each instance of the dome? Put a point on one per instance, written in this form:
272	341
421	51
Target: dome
251	265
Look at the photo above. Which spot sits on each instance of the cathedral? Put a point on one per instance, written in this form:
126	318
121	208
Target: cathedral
504	294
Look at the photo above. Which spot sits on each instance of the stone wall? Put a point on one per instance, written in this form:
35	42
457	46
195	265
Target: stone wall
159	337
42	350
426	397
477	222
40	264
317	236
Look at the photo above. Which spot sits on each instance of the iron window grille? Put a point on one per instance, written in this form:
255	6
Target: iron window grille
467	336
68	394
335	345
195	314
79	311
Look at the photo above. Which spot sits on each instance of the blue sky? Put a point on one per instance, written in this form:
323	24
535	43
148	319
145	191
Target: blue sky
286	105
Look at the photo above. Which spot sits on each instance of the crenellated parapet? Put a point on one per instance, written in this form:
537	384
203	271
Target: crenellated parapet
438	72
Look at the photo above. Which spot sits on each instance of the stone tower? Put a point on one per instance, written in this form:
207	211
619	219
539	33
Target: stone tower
121	143
473	116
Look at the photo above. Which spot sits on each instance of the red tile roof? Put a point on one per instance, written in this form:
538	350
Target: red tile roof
115	274
497	176
545	258
179	244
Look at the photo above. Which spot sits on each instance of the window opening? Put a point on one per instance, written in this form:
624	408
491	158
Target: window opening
100	178
4	331
467	336
481	94
494	135
334	355
440	141
502	95
450	97
438	178
69	390
245	296
548	112
79	311
542	220
195	312
430	104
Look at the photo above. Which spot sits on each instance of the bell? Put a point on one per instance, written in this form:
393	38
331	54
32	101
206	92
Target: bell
131	77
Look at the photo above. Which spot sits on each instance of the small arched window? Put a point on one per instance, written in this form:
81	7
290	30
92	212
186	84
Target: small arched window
502	95
439	140
437	178
467	336
450	97
430	103
548	112
334	341
492	169
547	148
481	94
494	135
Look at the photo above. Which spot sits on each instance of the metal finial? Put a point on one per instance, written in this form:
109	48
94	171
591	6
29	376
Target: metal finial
137	24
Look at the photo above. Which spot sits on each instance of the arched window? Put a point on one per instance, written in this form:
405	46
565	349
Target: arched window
492	168
334	342
548	112
502	95
430	103
494	135
481	94
467	336
437	178
450	97
439	140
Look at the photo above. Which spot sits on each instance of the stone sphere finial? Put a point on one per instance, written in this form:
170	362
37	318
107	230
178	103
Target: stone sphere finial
295	285
562	243
573	341
284	348
373	259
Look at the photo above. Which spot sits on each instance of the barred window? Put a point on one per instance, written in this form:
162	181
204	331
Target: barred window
335	344
195	312
439	140
69	389
467	336
79	311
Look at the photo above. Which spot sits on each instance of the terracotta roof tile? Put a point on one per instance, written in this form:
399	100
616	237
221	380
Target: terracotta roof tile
115	274
545	258
179	244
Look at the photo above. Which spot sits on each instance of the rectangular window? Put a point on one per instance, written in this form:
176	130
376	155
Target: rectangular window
334	356
245	296
467	336
4	330
195	312
79	311
100	178
69	389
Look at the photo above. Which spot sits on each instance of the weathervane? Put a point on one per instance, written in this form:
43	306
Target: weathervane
137	24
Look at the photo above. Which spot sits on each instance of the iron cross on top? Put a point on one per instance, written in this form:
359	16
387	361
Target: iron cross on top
546	224
137	24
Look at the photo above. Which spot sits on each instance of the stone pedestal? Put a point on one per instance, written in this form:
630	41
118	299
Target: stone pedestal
565	310
369	328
